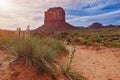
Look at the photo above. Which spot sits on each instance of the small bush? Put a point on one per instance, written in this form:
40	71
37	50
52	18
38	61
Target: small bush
115	38
76	40
85	41
97	39
36	51
51	47
114	44
64	33
5	40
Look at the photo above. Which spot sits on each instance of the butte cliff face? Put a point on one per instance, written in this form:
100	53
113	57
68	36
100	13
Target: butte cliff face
54	20
54	15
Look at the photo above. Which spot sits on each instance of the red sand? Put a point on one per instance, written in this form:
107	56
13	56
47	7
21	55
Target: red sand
20	71
97	63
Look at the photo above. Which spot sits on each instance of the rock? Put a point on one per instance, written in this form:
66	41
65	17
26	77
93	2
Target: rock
53	15
55	21
96	26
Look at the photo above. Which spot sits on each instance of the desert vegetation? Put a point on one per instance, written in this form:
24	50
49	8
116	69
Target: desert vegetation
39	54
105	37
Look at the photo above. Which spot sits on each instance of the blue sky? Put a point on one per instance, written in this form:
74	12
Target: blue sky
103	11
20	13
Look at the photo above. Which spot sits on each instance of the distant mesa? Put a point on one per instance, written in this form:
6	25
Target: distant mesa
112	26
96	25
54	20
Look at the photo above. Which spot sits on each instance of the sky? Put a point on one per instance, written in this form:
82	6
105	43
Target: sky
20	13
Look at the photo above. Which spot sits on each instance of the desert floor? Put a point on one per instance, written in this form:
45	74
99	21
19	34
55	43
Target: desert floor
97	62
93	62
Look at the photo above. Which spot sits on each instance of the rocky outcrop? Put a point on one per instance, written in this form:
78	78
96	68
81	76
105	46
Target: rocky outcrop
112	26
53	15
96	26
55	20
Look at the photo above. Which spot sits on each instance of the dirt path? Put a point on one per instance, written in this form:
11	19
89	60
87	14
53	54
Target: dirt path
97	63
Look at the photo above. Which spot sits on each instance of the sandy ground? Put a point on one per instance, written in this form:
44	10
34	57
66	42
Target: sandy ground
19	71
4	65
97	63
93	62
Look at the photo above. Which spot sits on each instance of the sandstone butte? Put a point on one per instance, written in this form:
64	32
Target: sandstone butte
54	20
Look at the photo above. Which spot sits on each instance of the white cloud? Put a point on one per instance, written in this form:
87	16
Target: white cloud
87	20
31	12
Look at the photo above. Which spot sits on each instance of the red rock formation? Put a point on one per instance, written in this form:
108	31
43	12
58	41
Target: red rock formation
53	15
96	26
55	20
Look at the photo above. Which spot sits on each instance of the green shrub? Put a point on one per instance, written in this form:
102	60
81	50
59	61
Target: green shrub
36	51
85	41
5	40
51	47
64	33
101	35
97	39
115	44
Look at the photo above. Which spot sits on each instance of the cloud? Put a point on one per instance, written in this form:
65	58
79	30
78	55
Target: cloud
105	18
79	12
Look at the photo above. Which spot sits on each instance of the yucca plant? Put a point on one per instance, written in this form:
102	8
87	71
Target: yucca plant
38	53
67	71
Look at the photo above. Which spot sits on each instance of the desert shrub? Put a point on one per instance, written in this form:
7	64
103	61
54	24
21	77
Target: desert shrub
5	40
109	43
86	37
64	33
115	44
24	48
76	33
102	35
97	39
51	47
36	52
109	40
115	38
85	41
42	67
76	40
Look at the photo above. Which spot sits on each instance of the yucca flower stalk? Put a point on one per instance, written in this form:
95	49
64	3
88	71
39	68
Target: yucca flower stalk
71	55
68	68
